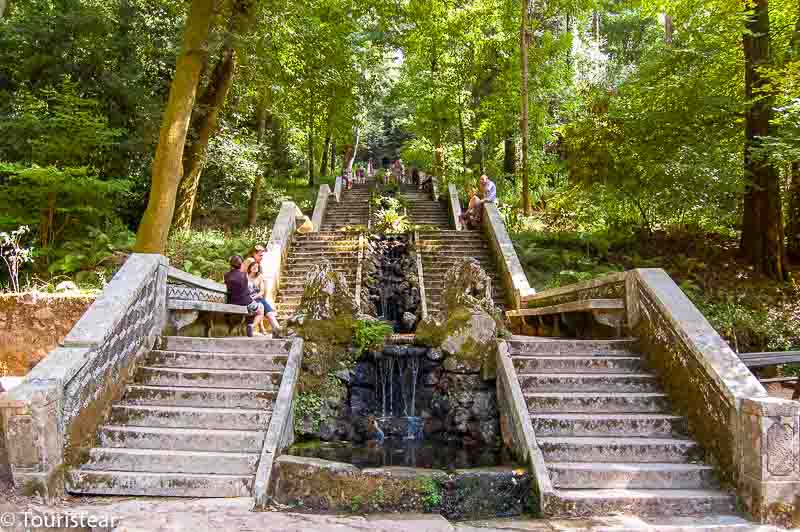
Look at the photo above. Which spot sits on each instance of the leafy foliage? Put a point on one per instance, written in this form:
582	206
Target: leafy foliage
370	335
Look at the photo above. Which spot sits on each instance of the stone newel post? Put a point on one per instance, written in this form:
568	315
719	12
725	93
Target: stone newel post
35	442
770	444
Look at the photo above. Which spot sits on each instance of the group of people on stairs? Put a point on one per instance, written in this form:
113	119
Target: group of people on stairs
246	287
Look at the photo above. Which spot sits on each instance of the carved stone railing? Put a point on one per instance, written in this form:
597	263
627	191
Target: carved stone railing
281	427
752	439
51	418
337	188
516	426
435	188
279	242
513	276
321	206
454	206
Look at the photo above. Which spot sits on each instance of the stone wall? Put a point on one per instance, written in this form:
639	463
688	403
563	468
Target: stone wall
53	415
33	324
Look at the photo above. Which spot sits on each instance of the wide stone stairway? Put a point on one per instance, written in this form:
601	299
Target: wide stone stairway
607	434
191	423
423	210
331	243
441	248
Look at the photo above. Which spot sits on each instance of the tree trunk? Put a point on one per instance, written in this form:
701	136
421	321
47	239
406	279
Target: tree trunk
794	171
357	135
167	169
3	4
323	167
264	115
310	149
207	120
509	156
463	140
762	221
526	193
333	155
669	30
794	211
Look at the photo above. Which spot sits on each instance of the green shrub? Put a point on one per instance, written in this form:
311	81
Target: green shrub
371	335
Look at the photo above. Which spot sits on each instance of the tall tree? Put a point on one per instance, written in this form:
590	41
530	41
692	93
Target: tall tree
167	168
793	247
762	223
265	122
524	38
205	119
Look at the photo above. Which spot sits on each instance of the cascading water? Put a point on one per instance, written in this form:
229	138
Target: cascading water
398	377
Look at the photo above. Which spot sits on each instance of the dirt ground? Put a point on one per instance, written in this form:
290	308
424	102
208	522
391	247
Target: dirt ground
32	324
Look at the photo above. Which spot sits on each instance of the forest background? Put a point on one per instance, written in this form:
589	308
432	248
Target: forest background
621	134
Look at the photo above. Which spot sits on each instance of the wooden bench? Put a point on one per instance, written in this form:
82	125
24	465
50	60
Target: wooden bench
774	358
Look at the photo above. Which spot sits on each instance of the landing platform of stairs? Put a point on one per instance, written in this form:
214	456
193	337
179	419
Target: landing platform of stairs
140	514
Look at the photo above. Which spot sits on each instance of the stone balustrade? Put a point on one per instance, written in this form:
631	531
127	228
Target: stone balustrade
51	418
514	279
323	195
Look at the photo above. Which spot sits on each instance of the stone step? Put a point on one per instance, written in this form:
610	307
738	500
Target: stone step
582	475
583	503
188	359
619	449
330	255
575	364
223	345
553	346
608	402
171	461
188	417
589	382
325	236
209	378
599	424
158	484
198	397
121	436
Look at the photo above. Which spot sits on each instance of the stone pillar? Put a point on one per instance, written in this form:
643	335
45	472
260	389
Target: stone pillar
770	470
34	438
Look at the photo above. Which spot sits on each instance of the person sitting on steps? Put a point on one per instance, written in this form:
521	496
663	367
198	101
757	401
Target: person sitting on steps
473	216
258	292
239	294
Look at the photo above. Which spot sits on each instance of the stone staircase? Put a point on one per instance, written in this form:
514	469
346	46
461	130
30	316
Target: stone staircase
191	423
330	243
352	209
608	437
423	210
440	249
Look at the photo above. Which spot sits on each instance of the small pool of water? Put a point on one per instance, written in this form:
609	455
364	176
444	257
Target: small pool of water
431	454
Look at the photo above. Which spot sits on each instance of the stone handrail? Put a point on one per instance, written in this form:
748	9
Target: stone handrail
281	426
516	425
455	207
514	278
182	285
337	188
54	413
278	246
435	188
320	206
420	276
608	286
745	432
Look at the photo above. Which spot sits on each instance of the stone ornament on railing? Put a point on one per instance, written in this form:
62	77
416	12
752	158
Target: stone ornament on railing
192	293
467	285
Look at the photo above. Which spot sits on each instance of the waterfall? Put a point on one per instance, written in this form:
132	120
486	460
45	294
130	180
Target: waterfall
398	373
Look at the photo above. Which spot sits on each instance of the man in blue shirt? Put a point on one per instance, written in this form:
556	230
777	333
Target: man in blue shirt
472	217
489	190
